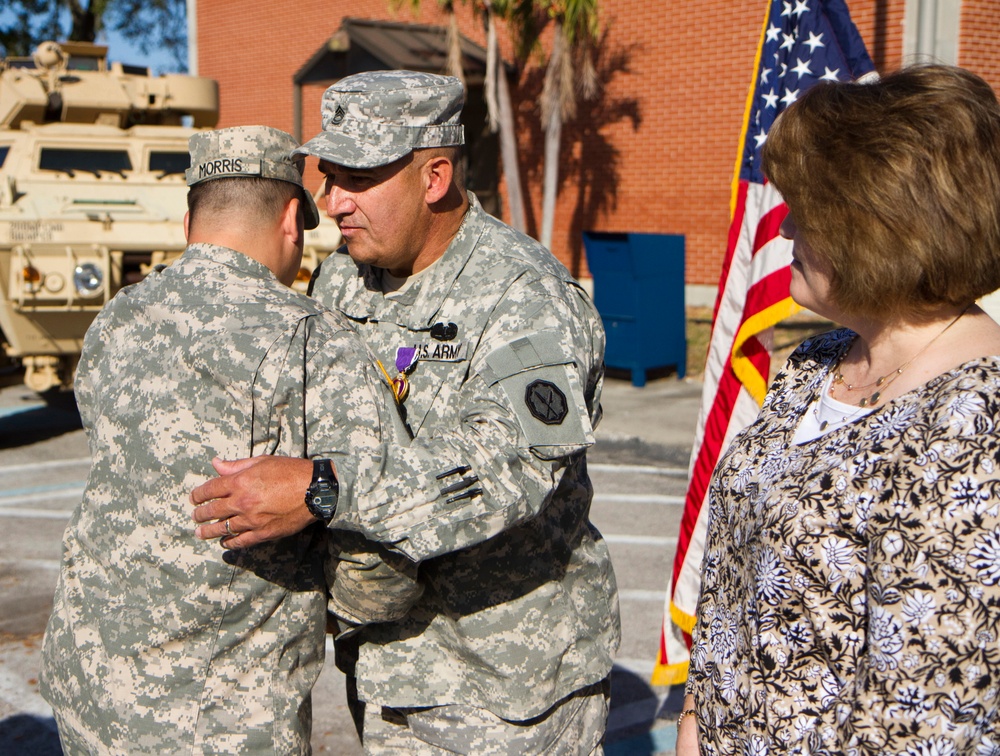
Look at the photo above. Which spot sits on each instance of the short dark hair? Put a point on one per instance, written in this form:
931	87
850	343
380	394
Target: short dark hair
259	198
456	155
897	184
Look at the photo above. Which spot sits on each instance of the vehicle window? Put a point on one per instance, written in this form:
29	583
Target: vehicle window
167	163
71	161
4	149
83	63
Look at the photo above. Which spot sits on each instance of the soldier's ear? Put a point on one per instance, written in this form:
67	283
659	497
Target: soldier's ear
293	220
438	175
187	222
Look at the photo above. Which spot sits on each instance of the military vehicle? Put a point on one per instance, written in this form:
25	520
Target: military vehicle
92	194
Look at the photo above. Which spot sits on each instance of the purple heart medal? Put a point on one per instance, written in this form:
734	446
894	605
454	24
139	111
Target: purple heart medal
406	358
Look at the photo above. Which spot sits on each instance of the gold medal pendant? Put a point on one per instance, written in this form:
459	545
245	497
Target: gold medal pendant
400	387
406	359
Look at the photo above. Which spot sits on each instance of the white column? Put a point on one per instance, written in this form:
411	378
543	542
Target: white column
931	31
192	27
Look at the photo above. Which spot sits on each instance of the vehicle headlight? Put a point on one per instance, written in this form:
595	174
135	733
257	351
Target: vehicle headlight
88	279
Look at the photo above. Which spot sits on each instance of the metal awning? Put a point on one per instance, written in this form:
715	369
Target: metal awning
365	45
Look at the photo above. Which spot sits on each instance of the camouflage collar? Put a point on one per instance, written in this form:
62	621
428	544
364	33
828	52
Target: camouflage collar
240	262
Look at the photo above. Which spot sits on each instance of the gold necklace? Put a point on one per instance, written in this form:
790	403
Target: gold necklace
824	424
883	381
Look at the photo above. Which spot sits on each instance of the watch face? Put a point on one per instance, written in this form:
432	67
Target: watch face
323	492
322	506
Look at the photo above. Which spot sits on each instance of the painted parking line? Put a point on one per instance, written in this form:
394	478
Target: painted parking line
11	411
639	594
35	514
639	540
662	499
71	490
34	564
49	464
670	472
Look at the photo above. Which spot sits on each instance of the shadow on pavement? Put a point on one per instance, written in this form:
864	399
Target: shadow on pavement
641	722
27	733
38	422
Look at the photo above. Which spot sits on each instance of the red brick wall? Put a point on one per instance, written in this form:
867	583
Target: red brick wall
254	49
654	153
979	45
688	75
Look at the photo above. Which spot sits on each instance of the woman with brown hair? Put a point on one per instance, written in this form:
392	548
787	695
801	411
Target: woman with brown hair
851	594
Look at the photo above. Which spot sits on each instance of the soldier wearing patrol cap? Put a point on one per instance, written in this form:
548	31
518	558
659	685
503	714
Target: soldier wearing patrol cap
495	355
160	642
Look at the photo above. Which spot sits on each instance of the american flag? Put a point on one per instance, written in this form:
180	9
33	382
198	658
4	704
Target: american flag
803	42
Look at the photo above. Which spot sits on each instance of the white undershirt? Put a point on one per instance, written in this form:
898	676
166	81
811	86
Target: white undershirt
827	410
396	285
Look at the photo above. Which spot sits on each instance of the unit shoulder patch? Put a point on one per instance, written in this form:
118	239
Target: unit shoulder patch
546	402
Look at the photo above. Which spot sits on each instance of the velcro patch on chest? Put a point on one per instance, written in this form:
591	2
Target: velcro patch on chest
442	351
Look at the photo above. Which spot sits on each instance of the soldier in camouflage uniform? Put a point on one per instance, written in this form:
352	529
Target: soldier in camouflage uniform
160	642
496	357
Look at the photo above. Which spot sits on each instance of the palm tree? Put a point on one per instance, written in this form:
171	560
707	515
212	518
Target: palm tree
453	65
498	102
501	114
570	71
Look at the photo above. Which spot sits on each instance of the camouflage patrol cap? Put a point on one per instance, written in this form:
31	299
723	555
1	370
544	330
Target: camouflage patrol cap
372	119
249	152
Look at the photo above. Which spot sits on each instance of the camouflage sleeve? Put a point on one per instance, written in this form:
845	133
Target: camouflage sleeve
368	583
90	398
348	418
83	384
523	418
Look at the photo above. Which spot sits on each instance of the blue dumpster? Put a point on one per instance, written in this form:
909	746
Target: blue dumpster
639	292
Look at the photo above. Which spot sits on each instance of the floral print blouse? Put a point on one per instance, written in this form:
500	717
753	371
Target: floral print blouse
851	584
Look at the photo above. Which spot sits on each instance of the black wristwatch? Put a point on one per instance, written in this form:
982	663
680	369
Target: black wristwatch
323	491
